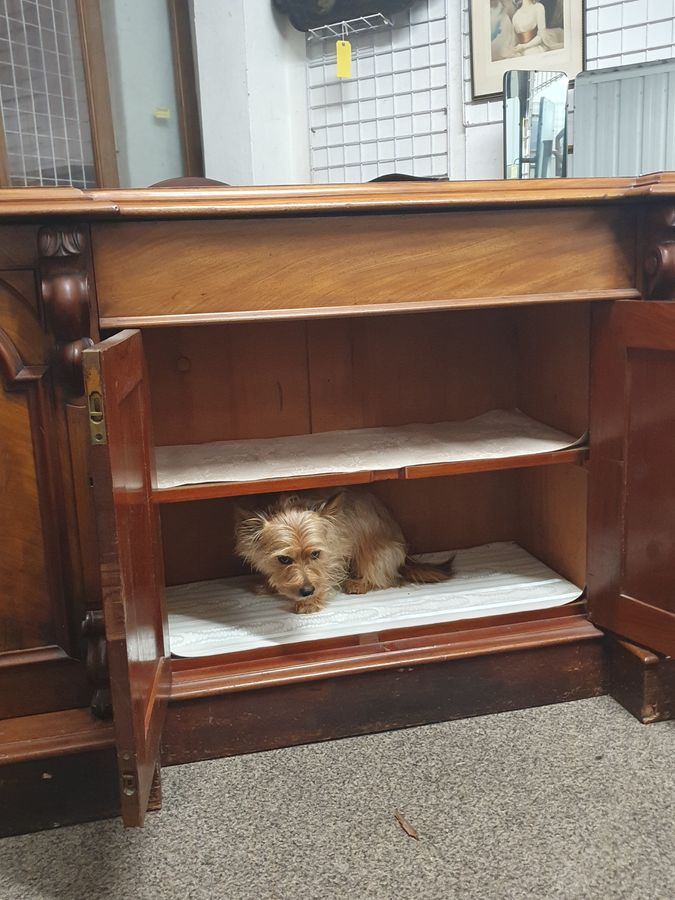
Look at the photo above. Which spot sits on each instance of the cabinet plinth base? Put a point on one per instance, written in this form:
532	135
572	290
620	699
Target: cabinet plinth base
244	721
642	682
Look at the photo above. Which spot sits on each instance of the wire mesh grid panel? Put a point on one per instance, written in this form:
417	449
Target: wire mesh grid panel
43	96
391	116
632	31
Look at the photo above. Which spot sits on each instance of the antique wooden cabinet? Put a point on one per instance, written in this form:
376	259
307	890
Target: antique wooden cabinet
134	322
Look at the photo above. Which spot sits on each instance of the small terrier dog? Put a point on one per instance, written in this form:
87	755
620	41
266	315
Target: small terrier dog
307	548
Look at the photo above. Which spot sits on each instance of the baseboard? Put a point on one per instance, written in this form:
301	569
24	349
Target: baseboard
56	769
233	722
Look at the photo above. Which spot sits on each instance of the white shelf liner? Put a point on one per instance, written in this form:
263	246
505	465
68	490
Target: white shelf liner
496	434
225	616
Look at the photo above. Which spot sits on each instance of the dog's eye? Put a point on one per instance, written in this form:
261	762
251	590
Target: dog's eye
285	560
315	554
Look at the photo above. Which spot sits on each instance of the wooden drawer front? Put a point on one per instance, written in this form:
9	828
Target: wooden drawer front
252	266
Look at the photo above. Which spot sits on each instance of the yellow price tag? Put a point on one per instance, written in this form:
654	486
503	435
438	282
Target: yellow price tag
343	52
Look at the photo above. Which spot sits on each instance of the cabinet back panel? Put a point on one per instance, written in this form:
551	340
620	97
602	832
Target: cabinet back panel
187	267
435	514
552	514
226	382
397	370
279	378
553	352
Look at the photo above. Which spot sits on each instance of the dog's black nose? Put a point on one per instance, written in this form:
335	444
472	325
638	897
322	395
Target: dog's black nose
306	590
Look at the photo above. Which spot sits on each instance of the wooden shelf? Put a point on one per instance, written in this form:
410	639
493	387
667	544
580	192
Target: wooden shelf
214	490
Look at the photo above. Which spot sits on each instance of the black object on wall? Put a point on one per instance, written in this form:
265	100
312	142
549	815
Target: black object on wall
306	14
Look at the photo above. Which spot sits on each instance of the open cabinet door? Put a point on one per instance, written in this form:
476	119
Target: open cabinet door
130	556
631	545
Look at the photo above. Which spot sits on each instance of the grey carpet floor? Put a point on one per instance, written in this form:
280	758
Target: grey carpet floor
570	801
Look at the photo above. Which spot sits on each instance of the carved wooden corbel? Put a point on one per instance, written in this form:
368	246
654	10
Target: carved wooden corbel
66	294
93	630
659	255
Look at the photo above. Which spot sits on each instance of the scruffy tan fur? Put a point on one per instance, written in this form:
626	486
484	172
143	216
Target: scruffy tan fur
306	548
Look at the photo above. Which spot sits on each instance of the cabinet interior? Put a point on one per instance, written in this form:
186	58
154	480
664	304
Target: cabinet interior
272	379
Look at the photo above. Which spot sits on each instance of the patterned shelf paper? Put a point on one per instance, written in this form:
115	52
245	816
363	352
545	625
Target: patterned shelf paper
497	434
225	616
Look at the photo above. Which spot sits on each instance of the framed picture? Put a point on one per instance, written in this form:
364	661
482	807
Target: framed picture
524	34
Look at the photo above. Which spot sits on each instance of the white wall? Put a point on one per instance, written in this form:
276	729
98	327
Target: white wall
253	93
140	66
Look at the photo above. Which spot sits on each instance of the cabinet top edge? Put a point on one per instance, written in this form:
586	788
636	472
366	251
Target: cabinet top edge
206	202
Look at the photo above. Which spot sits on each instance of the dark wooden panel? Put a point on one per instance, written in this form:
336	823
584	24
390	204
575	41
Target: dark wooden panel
41	680
460	511
18	246
198	540
641	681
33	612
226	382
165	268
631	521
252	720
552	518
649	504
398	370
20	316
63	790
553	364
25	614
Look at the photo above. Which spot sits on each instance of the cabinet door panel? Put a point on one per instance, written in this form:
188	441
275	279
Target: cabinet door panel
631	581
131	572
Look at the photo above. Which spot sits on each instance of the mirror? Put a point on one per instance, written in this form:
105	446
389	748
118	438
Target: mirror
535	124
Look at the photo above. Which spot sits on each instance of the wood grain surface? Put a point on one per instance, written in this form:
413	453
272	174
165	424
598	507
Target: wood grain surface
179	268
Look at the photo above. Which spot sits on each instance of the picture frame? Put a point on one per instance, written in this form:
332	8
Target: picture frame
525	35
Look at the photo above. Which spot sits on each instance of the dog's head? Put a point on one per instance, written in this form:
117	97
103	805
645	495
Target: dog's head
294	546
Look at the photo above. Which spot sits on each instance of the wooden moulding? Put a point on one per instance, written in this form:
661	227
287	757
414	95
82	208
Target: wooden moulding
314	660
52	734
211	491
641	681
300	199
372	309
215	713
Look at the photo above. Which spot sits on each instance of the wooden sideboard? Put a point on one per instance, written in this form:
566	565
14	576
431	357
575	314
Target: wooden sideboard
131	320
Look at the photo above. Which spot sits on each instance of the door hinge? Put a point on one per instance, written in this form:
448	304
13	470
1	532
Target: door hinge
129	784
95	402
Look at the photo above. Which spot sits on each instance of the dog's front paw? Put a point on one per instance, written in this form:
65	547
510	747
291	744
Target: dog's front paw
355	586
310	605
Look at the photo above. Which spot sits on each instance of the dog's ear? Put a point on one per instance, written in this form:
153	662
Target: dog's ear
332	505
249	528
239	514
